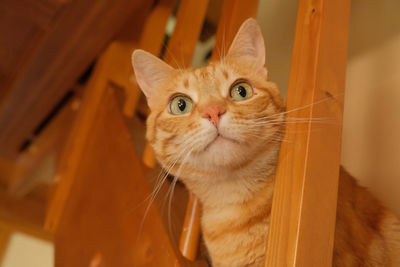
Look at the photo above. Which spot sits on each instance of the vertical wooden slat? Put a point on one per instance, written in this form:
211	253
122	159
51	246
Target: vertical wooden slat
304	205
179	54
180	48
151	40
189	22
234	13
189	241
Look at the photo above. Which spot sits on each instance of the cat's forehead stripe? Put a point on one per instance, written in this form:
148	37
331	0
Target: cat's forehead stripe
186	83
225	73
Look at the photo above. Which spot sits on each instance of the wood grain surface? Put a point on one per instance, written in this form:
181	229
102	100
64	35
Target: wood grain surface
305	197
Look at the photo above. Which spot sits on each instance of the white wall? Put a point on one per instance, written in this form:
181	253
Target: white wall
27	251
371	130
277	19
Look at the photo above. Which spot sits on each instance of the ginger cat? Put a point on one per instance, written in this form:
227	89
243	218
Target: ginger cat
218	128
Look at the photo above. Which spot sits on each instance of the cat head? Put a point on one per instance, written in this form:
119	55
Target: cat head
212	117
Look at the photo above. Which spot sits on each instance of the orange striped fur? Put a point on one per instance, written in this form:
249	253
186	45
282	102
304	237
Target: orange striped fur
230	163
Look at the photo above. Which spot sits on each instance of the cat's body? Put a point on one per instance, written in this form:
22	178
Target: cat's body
218	129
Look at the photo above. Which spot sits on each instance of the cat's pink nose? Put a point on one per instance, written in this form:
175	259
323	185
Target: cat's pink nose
213	113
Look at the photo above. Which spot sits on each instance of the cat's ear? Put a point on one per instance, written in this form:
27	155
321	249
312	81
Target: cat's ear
151	74
248	44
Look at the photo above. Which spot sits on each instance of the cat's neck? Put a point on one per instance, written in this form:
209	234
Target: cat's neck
235	186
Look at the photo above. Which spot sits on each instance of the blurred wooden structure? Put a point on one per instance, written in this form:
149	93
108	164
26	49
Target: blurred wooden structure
99	176
116	184
45	46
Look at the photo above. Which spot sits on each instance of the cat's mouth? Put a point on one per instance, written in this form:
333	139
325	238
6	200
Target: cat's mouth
220	139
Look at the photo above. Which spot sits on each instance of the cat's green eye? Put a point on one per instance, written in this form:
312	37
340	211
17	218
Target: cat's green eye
180	105
241	91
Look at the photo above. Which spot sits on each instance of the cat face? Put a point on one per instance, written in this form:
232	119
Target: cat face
212	117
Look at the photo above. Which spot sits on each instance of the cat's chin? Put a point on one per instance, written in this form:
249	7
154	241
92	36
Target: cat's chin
220	142
222	152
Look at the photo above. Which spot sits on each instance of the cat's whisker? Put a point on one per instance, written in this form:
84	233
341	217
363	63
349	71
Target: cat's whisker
184	151
293	122
295	131
291	119
171	191
269	138
161	182
321	120
169	168
303	107
186	146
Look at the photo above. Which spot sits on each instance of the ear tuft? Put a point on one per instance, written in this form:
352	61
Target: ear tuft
248	43
151	73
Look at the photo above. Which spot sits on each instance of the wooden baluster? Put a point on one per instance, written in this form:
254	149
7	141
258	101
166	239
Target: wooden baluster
179	54
189	241
305	197
234	12
151	40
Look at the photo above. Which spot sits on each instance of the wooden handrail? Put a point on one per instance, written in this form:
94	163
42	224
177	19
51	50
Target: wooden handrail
304	205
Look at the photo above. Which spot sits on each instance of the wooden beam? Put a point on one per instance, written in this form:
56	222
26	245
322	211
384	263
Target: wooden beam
305	197
83	28
47	145
41	12
24	215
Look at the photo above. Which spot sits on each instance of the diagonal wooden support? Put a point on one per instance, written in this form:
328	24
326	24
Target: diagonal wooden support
305	197
44	151
112	68
105	218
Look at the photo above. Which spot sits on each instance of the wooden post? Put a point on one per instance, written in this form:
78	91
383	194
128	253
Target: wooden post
305	197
